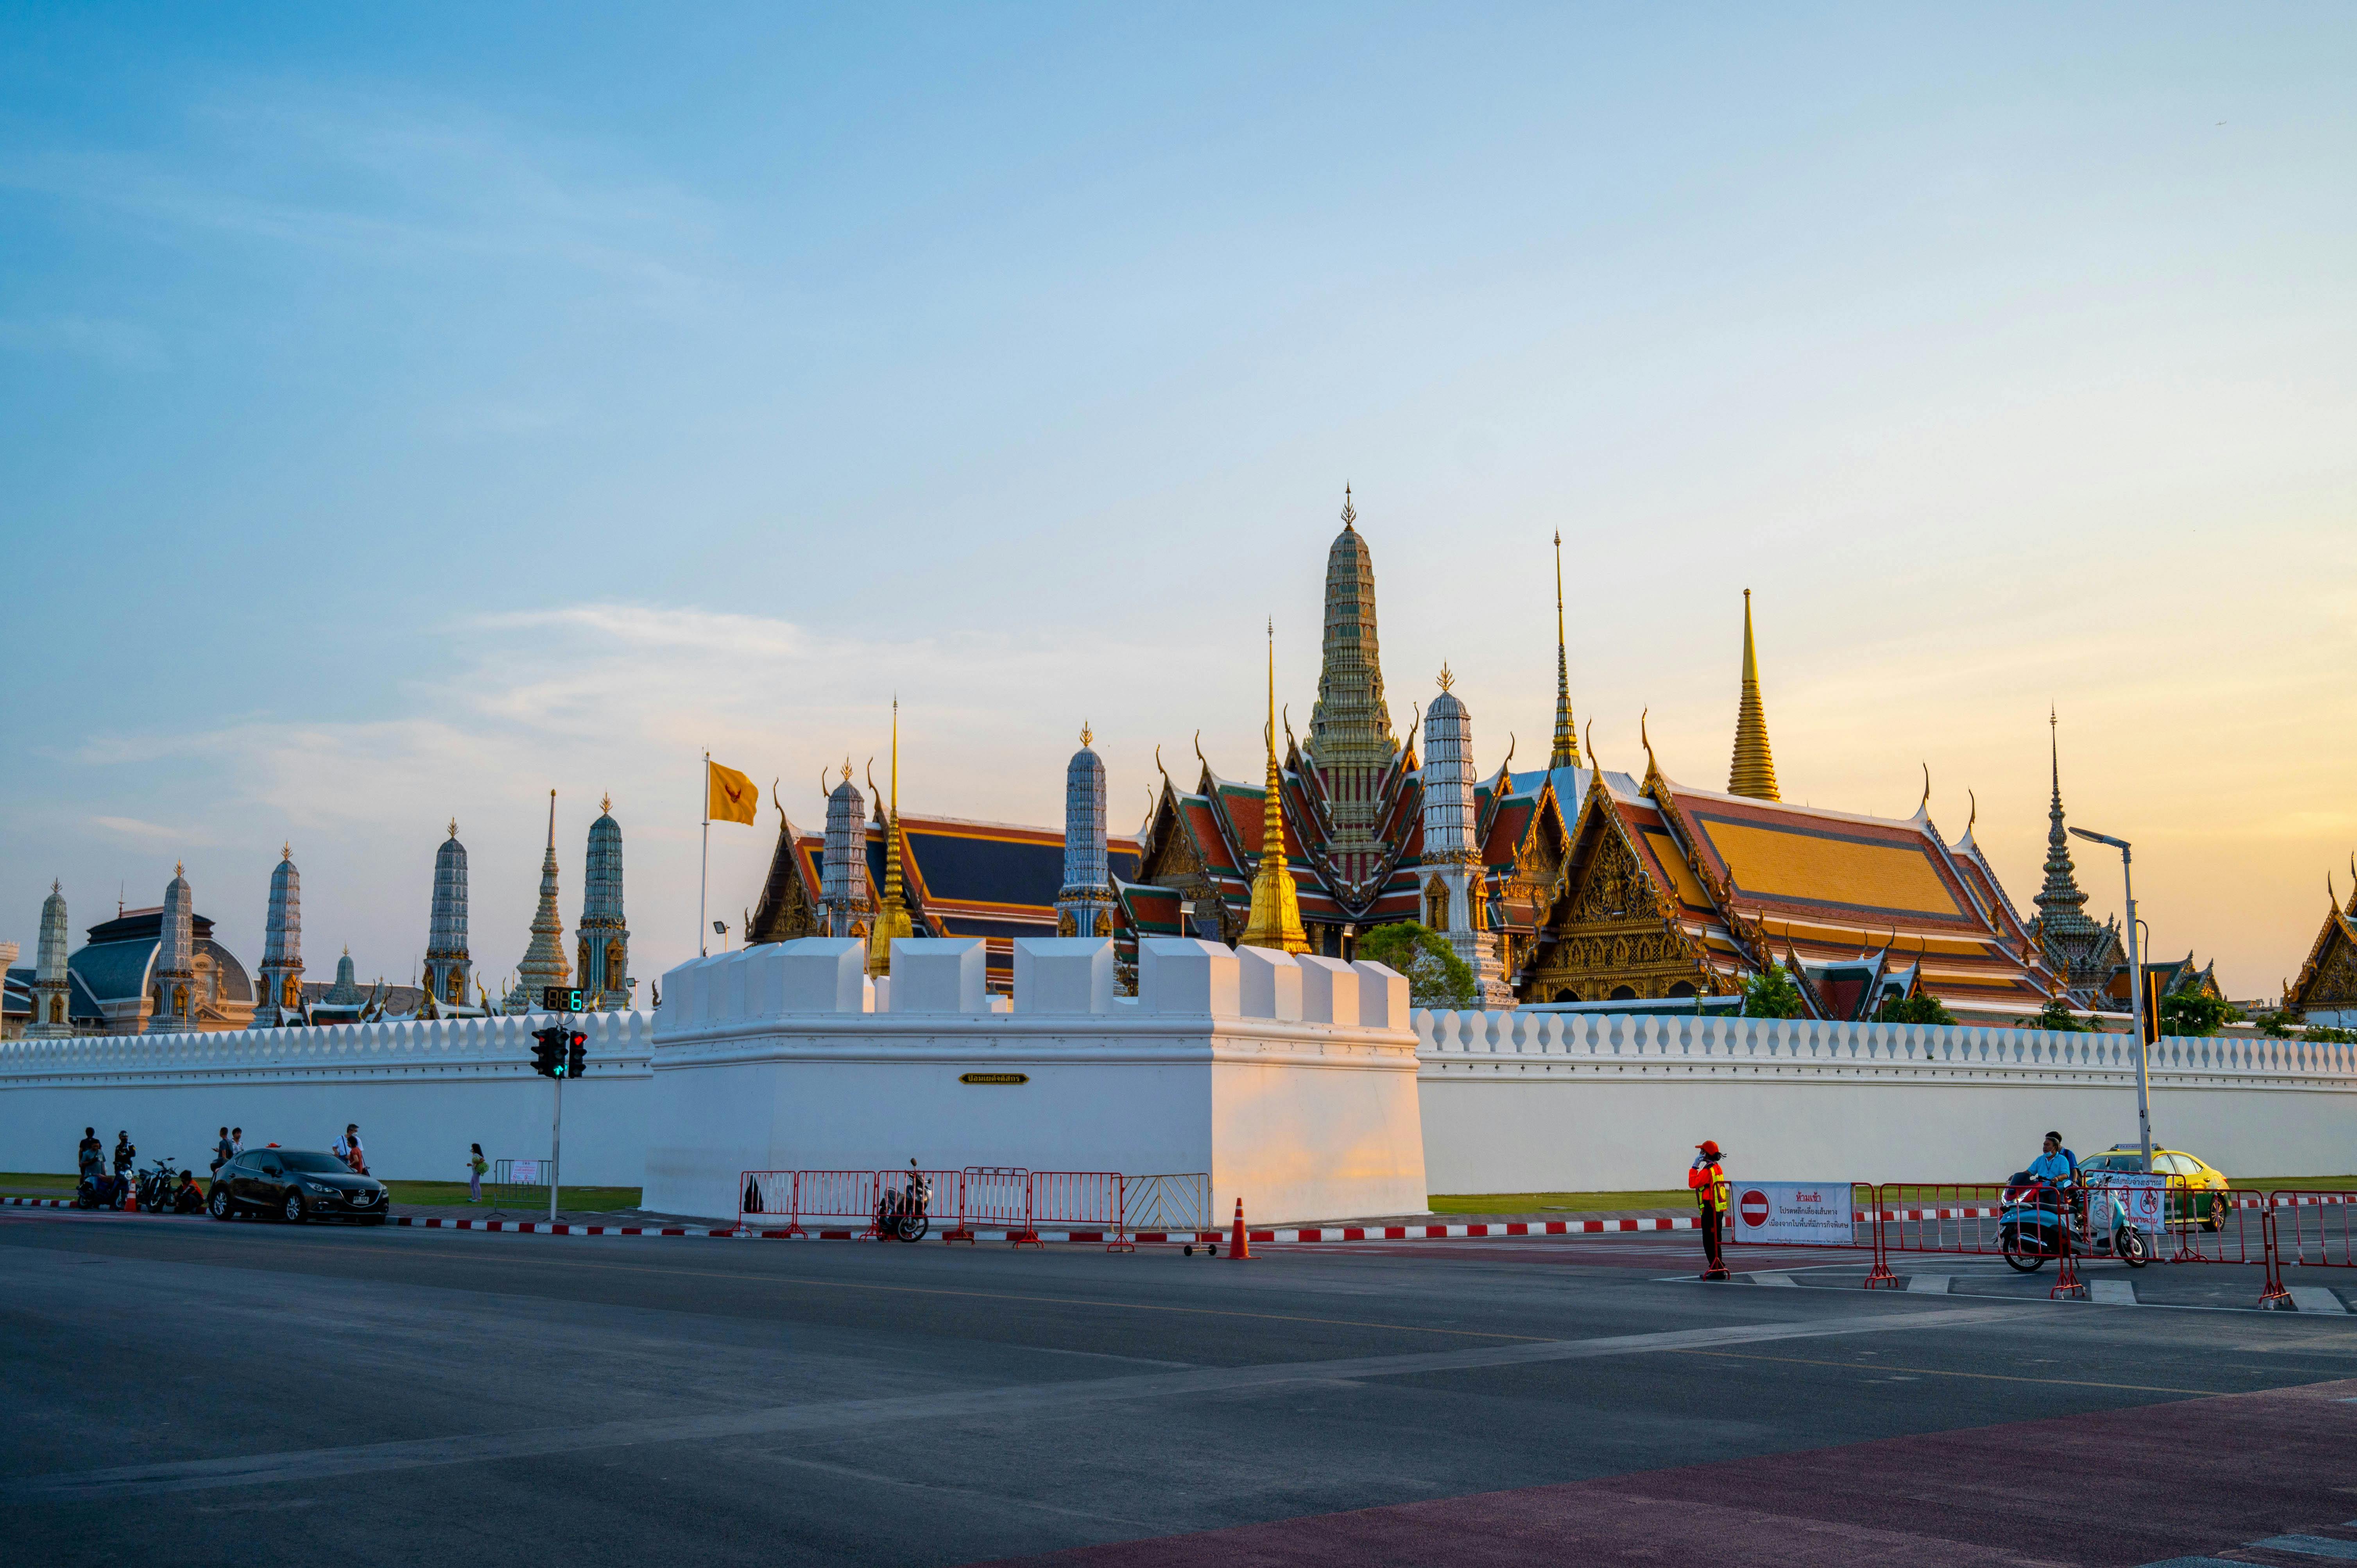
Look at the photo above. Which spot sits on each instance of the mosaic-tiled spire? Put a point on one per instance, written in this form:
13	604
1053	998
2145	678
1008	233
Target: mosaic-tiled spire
891	916
175	995
1276	919
53	1000
844	896
1085	899
2061	907
1566	752
447	966
603	938
543	961
1350	741
281	974
1753	770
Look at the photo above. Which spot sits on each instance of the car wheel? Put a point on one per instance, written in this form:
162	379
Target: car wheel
217	1205
293	1209
2217	1220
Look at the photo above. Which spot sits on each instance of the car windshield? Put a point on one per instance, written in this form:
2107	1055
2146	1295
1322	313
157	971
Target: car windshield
305	1160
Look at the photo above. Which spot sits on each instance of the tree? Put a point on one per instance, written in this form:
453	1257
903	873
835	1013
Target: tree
2324	1033
2057	1015
1437	977
1771	995
1913	1010
2195	1013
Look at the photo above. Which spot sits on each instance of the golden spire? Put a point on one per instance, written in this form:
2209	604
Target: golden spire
1276	919
1566	736
891	919
1086	738
606	801
1753	771
454	827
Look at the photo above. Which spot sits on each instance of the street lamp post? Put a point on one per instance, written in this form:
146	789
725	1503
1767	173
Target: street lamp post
2135	990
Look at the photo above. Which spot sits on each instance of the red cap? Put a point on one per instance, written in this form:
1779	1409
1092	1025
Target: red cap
1709	1147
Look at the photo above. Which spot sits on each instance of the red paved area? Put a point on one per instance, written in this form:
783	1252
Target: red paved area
2104	1490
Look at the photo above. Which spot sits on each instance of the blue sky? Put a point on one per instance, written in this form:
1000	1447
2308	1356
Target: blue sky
415	409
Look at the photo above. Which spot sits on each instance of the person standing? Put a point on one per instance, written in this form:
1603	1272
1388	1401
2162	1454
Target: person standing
223	1151
476	1167
347	1149
91	1154
1708	1180
126	1153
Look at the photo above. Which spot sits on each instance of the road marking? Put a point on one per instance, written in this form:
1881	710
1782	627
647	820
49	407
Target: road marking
1775	1280
2309	1546
1928	1284
1945	1372
2315	1298
2113	1292
819	1418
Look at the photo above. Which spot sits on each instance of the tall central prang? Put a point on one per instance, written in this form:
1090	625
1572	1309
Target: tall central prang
1351	742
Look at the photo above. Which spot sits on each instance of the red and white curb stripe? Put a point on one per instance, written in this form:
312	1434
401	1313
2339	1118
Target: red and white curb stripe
36	1202
542	1228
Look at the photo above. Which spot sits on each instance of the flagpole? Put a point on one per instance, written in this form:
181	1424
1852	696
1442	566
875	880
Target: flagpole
703	878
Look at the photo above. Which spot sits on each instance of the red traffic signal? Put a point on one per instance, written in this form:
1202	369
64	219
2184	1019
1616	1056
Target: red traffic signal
548	1052
575	1062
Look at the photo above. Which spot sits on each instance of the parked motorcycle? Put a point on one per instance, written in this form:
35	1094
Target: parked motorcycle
98	1191
156	1184
905	1212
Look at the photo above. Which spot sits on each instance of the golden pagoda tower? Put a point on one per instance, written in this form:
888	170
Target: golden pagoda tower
1566	736
1276	919
1753	770
892	916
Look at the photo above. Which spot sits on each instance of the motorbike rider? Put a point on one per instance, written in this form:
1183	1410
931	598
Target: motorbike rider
93	1153
2057	1167
126	1154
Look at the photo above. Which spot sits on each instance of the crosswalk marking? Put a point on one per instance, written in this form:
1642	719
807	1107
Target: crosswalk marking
2113	1293
2315	1298
1928	1284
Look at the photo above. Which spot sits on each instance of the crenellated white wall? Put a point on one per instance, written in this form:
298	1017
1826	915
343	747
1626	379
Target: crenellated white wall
421	1092
1524	1101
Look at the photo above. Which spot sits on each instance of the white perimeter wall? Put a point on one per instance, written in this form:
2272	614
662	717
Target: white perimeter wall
1518	1102
421	1092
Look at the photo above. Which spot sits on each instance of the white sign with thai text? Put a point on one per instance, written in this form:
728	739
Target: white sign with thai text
1806	1213
524	1173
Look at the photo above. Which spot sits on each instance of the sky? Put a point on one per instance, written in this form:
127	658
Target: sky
414	410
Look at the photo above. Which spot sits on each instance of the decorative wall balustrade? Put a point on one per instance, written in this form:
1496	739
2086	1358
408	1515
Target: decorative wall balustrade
618	1047
1453	1042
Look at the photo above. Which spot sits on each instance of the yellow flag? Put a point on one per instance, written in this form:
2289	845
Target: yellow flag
733	796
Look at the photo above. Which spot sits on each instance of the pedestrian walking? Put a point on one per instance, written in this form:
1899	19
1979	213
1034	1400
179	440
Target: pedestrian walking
1708	1180
223	1151
476	1167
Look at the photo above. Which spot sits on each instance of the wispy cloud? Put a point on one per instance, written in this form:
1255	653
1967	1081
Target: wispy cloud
151	833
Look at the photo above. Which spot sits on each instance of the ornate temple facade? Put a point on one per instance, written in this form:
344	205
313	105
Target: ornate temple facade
2326	989
603	938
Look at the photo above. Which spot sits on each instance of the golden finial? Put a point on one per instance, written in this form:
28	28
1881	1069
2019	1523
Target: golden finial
1275	918
1349	516
1447	680
454	827
287	850
606	801
1566	752
1753	770
846	768
179	870
1086	736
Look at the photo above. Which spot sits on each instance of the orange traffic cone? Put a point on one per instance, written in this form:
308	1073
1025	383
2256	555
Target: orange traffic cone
1239	1243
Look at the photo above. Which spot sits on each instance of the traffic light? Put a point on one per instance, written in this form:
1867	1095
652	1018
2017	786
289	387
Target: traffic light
548	1052
575	1063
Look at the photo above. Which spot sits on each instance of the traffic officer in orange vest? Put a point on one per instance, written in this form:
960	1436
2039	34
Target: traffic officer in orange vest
1708	1184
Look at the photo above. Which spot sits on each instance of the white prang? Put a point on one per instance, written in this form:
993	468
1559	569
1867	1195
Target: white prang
764	1061
1456	901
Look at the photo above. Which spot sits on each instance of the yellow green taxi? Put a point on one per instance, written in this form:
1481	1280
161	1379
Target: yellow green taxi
2196	1187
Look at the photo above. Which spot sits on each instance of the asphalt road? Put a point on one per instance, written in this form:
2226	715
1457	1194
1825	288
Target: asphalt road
182	1392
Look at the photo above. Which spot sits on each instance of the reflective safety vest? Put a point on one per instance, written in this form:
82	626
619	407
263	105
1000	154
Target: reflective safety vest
1709	1186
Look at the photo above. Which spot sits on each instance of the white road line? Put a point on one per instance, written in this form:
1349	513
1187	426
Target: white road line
2112	1293
1928	1284
2315	1298
833	1418
1775	1280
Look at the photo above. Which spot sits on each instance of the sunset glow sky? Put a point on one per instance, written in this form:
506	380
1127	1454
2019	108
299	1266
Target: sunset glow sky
412	410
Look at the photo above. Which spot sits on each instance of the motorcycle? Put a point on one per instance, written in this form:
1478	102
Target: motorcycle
2040	1220
155	1188
98	1191
905	1212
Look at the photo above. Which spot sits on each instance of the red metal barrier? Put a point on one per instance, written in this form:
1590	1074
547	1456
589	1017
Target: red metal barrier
845	1196
765	1194
2322	1227
998	1197
1091	1199
948	1194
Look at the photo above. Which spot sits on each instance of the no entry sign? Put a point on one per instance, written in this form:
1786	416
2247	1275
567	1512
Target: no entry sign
1808	1212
